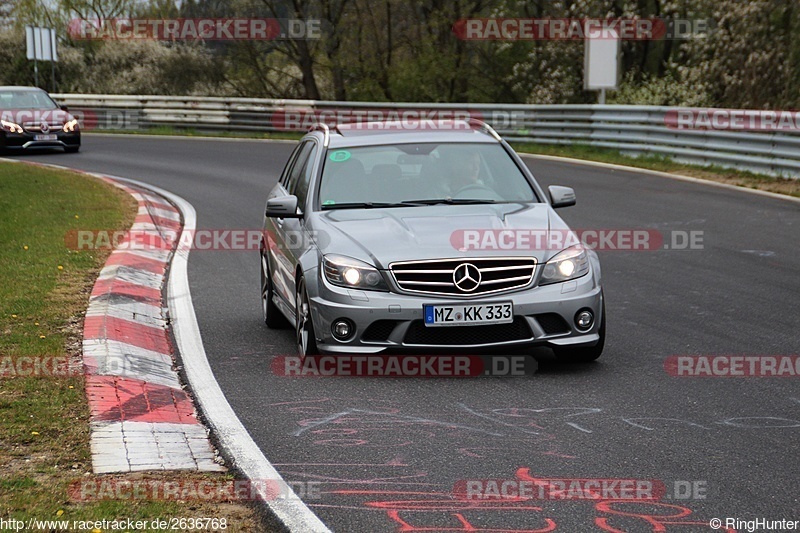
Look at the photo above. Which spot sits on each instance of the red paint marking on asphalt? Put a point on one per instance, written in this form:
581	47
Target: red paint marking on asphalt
382	492
653	521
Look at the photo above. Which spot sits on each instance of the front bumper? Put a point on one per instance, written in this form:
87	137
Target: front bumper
28	141
389	322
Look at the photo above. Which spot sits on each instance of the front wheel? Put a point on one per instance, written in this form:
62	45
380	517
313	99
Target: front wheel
304	326
586	354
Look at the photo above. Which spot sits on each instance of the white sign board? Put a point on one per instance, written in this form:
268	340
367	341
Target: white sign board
41	43
601	63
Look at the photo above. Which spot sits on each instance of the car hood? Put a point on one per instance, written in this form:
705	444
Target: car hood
383	236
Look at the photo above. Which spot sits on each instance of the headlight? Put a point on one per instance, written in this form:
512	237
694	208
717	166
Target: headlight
348	272
72	125
11	126
570	264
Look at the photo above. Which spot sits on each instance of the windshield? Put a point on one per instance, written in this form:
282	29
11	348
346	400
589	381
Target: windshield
422	173
21	99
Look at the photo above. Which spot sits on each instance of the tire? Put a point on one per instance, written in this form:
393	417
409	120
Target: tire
71	149
586	354
304	325
272	316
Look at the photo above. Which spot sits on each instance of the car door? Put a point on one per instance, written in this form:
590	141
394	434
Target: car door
294	232
284	232
272	225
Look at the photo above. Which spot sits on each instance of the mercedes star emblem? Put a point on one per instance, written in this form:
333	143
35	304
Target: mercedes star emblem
466	277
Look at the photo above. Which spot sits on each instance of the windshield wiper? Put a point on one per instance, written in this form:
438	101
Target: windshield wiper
367	205
434	201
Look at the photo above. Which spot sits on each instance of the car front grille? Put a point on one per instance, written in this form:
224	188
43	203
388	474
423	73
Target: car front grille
419	334
464	276
37	127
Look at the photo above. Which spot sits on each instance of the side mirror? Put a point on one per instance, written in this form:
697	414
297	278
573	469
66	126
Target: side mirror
63	107
283	207
561	196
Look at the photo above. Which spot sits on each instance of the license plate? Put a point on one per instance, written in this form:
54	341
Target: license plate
468	314
50	137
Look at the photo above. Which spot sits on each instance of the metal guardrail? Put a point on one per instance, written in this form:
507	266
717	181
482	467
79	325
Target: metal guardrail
633	130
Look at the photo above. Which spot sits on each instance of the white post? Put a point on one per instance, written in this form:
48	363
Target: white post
53	57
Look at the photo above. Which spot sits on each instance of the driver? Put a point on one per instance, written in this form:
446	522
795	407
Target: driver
466	172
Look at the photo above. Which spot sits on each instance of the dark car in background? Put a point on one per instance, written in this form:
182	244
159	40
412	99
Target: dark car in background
30	119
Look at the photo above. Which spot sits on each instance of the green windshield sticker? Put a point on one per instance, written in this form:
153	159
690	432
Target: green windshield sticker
329	202
340	155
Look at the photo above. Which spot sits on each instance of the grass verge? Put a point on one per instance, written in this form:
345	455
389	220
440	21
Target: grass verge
751	180
44	291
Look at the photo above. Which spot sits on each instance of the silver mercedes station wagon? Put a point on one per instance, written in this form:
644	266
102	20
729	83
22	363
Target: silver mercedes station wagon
384	238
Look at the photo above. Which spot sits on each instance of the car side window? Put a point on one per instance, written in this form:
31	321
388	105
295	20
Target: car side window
287	170
299	165
301	186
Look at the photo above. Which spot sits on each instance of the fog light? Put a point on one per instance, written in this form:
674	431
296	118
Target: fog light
584	319
342	329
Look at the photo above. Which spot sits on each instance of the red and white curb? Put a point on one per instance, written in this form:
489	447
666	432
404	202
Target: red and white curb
141	418
229	432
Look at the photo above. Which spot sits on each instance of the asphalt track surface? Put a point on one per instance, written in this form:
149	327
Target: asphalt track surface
388	451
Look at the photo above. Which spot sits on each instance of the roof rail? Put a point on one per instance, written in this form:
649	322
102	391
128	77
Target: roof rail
325	129
481	125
